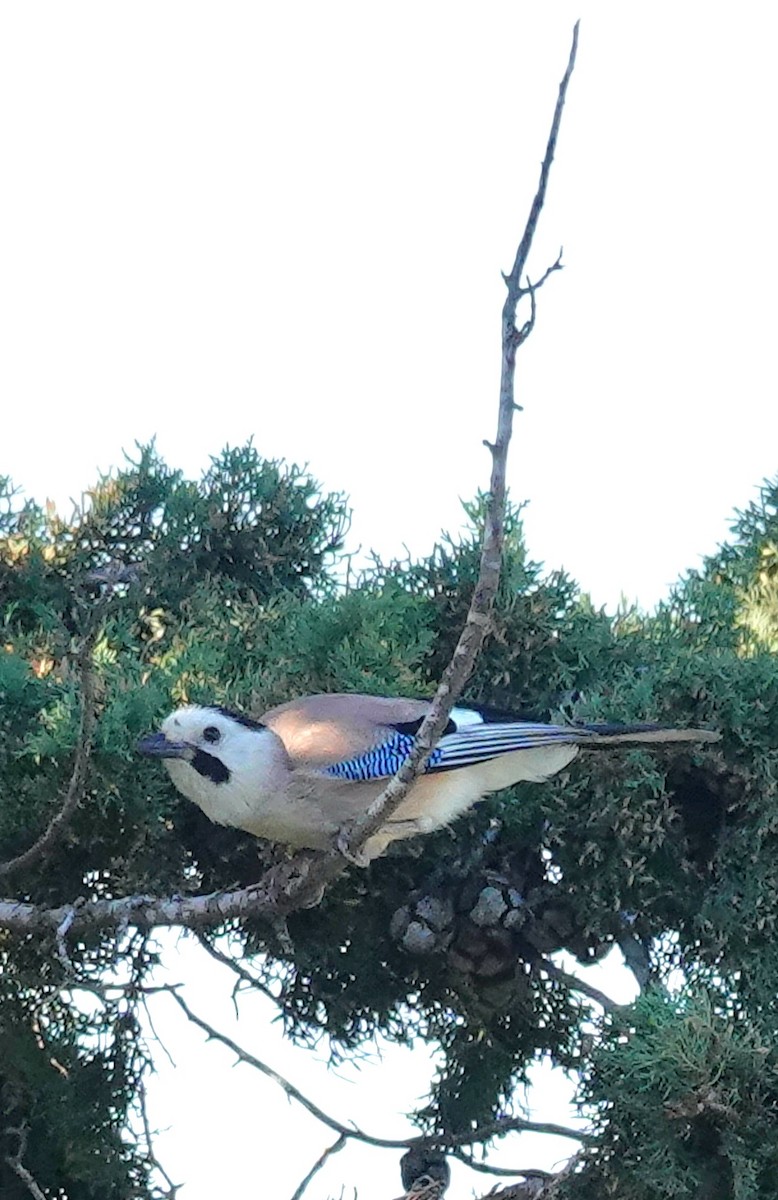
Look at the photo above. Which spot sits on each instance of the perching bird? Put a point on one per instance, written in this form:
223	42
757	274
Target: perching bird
425	1173
306	769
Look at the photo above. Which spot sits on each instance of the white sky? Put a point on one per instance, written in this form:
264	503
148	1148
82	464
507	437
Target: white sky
288	221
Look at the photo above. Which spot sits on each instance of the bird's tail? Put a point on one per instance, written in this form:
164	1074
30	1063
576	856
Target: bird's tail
614	735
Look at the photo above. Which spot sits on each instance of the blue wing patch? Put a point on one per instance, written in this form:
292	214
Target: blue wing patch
472	744
381	762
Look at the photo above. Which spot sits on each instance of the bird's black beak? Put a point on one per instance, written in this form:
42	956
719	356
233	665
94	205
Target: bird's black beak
156	745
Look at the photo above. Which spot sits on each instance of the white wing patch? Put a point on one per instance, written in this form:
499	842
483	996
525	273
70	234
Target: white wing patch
462	717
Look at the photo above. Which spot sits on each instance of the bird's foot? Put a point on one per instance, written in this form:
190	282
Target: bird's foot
358	858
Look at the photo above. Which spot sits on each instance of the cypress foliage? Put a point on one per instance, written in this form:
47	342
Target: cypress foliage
229	589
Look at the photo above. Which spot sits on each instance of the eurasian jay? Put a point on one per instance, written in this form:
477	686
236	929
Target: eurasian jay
307	768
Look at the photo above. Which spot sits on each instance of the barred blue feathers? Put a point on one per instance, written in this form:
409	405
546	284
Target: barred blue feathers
474	743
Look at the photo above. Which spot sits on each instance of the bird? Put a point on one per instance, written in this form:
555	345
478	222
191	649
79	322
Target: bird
307	769
425	1173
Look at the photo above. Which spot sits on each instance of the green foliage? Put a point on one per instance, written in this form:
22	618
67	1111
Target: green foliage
684	1095
226	590
69	1075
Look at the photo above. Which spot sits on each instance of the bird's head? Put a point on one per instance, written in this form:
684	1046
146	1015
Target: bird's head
214	756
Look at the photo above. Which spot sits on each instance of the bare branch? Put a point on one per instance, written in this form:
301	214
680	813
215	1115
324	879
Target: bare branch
478	618
172	1188
152	1027
75	790
486	1169
484	1132
235	967
520	262
317	1166
538	284
16	1164
150	912
503	1125
292	1092
576	985
534	1187
26	1177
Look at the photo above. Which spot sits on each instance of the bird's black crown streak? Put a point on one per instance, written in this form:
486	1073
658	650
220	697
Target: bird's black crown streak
240	718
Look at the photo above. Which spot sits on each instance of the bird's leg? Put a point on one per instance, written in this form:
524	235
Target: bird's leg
358	858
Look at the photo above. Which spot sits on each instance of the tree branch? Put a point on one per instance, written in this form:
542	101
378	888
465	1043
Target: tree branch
317	1166
486	1169
483	1133
575	984
148	912
75	791
534	1186
502	1125
478	618
16	1164
513	280
235	967
172	1188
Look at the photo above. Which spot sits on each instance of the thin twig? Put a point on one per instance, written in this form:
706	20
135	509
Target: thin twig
234	966
493	1129
485	1169
555	266
152	1027
317	1166
75	791
172	1188
479	615
14	1161
576	985
520	262
504	1125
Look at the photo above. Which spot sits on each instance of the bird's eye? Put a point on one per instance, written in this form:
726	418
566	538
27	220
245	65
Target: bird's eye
211	734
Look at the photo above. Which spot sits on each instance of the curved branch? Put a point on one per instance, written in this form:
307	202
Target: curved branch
75	791
14	1161
503	1125
576	985
485	1169
335	1148
235	967
483	1133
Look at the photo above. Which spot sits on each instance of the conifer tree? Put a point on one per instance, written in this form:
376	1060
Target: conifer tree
229	589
